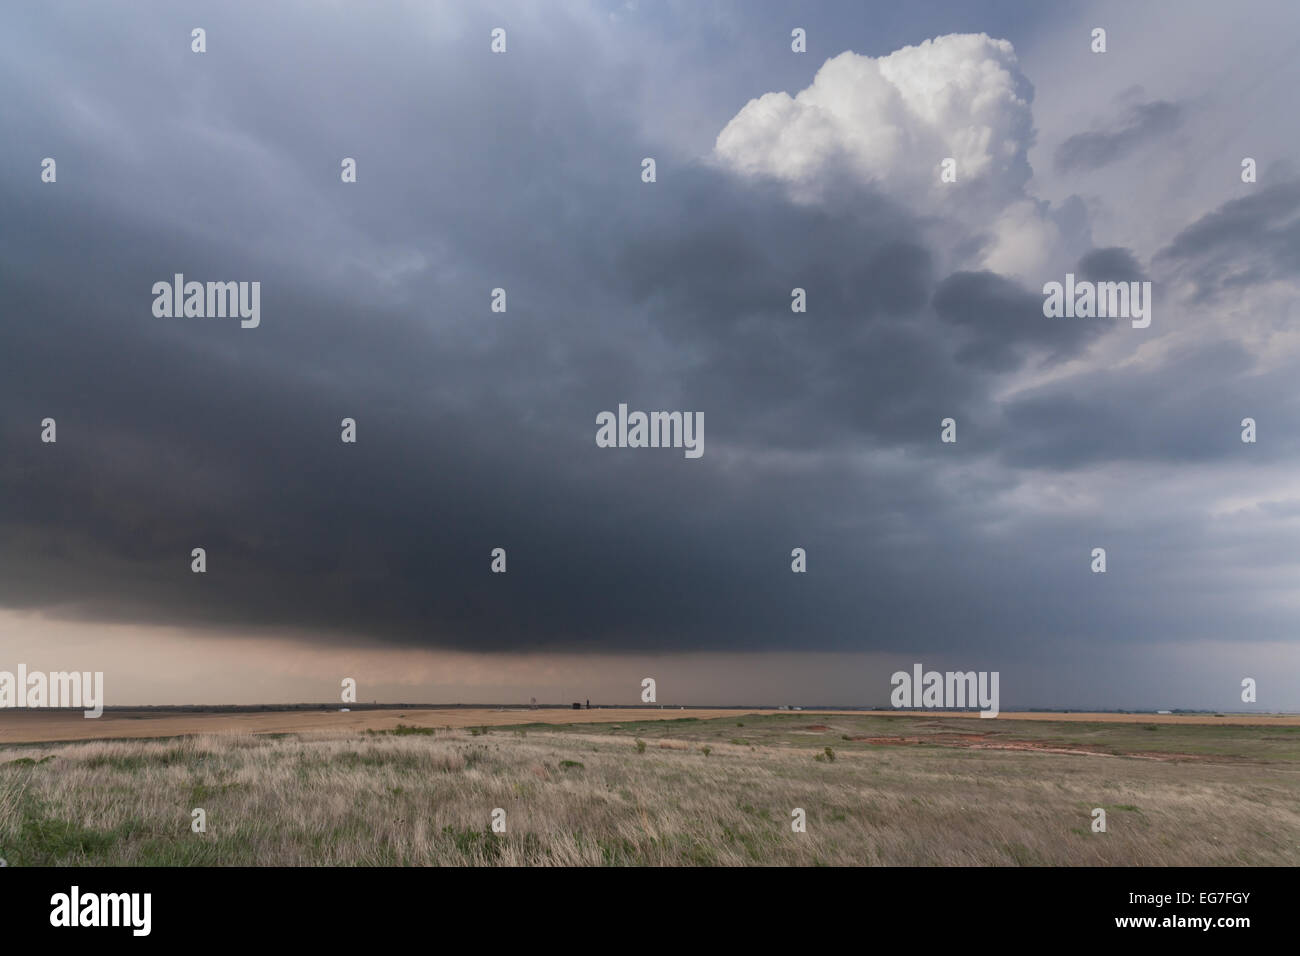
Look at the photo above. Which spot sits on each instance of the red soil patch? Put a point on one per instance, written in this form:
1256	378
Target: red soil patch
880	741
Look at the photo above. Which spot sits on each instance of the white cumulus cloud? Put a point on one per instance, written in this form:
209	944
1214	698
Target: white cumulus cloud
894	118
891	121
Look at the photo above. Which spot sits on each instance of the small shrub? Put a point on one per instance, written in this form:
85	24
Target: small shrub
640	745
29	762
404	730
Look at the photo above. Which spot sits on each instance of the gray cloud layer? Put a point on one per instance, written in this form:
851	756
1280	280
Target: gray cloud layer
1141	124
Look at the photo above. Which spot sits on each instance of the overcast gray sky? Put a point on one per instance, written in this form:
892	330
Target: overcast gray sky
476	429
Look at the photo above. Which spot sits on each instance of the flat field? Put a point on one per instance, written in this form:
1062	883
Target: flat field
28	726
598	787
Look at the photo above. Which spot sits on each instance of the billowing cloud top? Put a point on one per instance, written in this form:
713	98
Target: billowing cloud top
890	120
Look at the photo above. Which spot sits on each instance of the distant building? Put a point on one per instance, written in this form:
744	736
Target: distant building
577	705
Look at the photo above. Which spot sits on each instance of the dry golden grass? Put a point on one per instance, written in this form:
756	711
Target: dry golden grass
584	795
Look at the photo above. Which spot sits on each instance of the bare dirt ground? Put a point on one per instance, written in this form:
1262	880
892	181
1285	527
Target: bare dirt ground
40	726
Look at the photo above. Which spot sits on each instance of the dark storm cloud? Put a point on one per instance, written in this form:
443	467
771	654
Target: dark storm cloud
476	430
1242	243
1143	123
1187	410
1184	408
1004	323
1113	264
184	433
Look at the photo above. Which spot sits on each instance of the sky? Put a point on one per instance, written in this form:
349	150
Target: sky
476	429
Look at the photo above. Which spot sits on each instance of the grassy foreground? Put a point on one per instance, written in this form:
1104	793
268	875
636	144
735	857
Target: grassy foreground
900	790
